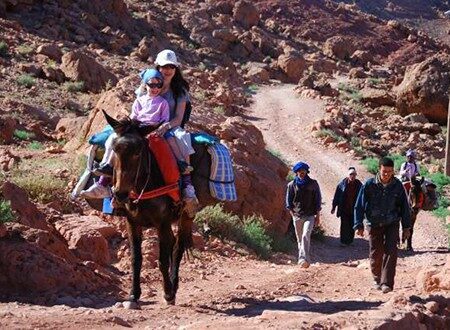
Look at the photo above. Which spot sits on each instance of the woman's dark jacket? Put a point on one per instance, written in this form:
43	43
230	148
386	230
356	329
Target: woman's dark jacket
339	197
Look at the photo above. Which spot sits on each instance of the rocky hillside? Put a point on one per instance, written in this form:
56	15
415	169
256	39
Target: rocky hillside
62	62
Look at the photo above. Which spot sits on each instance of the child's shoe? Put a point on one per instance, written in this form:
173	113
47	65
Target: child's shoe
96	191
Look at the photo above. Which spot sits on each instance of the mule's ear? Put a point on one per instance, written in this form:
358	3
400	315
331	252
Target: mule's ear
145	130
115	124
422	180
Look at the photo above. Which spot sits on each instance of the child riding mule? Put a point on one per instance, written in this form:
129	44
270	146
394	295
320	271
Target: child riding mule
136	173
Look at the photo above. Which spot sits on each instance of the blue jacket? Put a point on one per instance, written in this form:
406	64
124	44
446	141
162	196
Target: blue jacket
382	205
339	196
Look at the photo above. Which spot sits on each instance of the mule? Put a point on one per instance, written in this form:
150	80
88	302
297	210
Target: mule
136	171
422	196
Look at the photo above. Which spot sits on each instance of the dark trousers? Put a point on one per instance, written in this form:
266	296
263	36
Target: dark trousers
383	253
347	232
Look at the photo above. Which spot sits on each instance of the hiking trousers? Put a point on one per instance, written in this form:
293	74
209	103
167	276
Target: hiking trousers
383	253
347	233
303	229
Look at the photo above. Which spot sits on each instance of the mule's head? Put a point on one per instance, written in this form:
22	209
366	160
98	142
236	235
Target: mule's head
131	161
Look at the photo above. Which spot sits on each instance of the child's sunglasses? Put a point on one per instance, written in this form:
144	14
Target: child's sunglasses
155	85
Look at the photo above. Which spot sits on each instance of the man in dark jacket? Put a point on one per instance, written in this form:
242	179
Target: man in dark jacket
383	201
344	199
303	200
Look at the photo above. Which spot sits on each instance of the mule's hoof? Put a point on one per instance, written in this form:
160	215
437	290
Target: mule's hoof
169	300
130	305
133	298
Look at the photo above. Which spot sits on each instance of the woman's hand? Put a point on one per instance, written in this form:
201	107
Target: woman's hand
161	130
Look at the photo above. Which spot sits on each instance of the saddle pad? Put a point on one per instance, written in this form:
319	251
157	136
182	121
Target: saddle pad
221	179
166	162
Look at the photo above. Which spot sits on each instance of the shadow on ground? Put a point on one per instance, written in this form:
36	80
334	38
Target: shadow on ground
254	307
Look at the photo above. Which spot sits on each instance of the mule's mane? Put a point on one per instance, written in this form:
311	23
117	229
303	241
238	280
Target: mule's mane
127	125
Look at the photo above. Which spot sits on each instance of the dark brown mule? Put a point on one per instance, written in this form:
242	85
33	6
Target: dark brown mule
422	196
136	170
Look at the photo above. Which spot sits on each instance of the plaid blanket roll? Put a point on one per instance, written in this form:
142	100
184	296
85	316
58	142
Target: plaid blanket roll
221	179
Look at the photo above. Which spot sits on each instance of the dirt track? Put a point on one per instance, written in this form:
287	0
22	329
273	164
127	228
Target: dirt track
231	291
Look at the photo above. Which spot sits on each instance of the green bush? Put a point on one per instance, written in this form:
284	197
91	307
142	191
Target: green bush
349	92
24	50
23	135
220	110
255	236
35	145
282	243
74	87
37	178
440	180
290	176
277	154
250	231
327	132
26	80
371	164
3	49
6	213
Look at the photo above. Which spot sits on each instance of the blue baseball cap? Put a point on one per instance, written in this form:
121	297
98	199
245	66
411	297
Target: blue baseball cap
300	166
148	74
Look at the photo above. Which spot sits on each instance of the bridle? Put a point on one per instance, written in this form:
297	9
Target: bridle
132	193
147	180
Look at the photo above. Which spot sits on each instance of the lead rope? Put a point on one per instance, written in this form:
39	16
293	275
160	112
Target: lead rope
146	182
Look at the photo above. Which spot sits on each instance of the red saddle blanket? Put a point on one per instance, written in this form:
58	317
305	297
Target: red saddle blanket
167	164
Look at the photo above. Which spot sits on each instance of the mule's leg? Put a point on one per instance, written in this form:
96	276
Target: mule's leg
135	238
166	243
183	242
413	221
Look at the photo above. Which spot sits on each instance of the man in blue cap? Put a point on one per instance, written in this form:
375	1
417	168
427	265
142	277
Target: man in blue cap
303	200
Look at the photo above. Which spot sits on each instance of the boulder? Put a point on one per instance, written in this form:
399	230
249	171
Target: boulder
434	279
424	89
293	65
7	128
51	51
246	14
87	237
81	67
339	47
7	160
69	127
27	213
376	97
29	269
257	72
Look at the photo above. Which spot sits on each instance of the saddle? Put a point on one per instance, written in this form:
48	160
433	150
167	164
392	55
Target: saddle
169	169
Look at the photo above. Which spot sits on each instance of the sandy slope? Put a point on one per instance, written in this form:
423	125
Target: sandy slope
226	290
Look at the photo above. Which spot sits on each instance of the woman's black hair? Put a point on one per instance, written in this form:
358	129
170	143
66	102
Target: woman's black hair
178	84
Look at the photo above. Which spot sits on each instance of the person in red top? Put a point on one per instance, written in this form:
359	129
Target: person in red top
344	200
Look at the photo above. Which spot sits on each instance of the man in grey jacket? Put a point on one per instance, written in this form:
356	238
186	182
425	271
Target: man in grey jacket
383	201
303	200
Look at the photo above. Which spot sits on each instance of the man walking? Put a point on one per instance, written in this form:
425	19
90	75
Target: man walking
344	199
303	200
384	203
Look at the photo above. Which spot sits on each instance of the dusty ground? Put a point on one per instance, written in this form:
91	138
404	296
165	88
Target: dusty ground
229	290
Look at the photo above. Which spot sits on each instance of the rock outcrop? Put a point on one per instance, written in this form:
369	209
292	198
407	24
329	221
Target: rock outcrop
424	89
